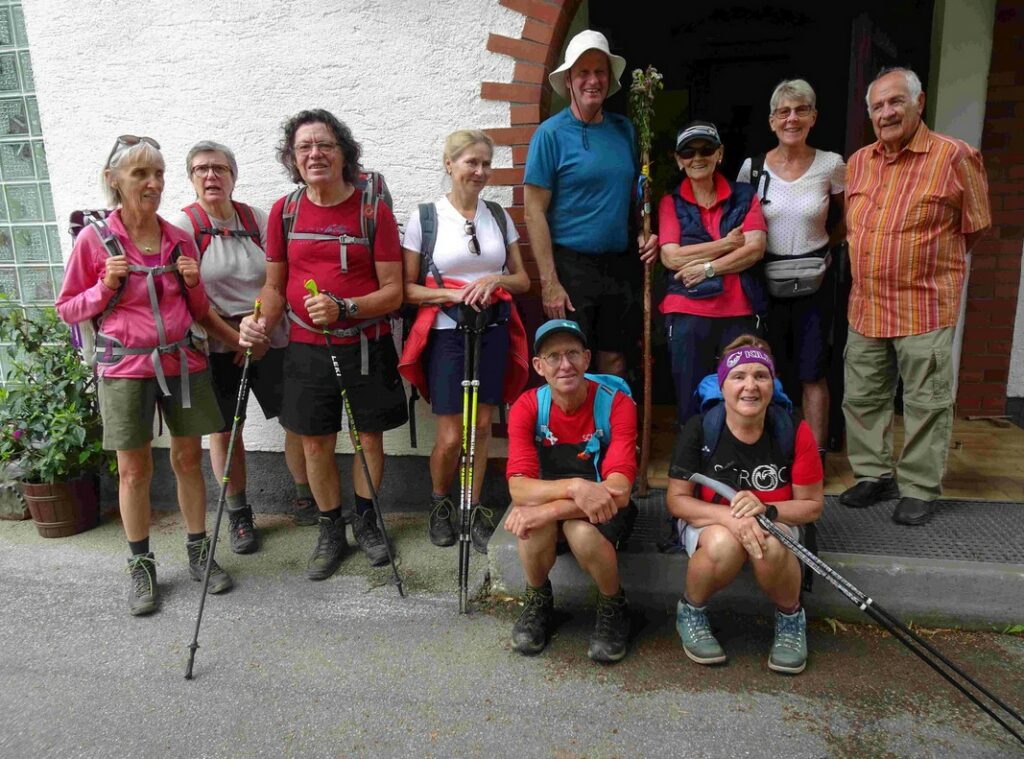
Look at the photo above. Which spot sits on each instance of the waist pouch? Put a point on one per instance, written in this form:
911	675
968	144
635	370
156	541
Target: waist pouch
467	318
796	276
709	288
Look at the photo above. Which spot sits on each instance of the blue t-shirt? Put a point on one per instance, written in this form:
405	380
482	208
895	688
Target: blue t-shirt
590	170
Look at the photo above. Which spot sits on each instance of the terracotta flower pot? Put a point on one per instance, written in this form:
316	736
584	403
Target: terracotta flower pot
63	508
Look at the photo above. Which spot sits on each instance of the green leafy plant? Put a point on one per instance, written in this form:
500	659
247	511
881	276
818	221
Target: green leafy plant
50	427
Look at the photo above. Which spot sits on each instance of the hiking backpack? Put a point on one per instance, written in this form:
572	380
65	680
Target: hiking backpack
608	386
204	230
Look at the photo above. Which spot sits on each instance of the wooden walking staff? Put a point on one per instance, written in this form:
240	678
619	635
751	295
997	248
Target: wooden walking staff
641	105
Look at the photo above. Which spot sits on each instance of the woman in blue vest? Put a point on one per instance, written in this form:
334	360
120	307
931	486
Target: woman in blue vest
712	234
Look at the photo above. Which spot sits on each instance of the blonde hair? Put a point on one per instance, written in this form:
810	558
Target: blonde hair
458	141
749	341
121	154
793	89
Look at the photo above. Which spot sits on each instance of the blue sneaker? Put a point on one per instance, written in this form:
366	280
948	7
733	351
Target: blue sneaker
789	649
699	642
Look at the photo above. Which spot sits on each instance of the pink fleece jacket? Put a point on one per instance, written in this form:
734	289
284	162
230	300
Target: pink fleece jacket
84	296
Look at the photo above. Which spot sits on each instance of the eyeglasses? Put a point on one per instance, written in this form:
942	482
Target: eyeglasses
474	244
554	360
687	153
305	148
130	140
801	111
204	169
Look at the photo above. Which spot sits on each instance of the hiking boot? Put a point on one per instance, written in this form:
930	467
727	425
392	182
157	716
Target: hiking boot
867	493
244	538
331	547
369	538
304	512
220	580
531	630
439	526
481	520
789	649
142	593
699	642
611	632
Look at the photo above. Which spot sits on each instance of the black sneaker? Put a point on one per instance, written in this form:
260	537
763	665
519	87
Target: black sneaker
439	526
611	633
531	630
305	512
142	593
331	547
369	538
220	580
482	525
244	538
869	492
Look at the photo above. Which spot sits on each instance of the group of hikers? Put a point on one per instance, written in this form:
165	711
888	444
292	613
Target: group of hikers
749	289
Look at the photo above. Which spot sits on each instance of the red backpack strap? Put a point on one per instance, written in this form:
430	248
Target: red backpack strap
248	219
202	229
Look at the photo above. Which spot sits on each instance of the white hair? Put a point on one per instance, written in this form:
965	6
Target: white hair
792	89
913	83
122	154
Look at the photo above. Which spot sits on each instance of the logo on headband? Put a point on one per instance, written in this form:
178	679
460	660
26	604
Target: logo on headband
733	360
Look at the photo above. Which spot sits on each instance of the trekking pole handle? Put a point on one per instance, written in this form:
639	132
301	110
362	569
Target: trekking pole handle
311	288
769	514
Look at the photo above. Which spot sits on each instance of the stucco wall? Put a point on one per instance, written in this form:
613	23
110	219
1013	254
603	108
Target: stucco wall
401	74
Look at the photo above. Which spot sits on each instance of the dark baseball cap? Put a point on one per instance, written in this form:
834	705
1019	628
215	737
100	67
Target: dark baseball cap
555	326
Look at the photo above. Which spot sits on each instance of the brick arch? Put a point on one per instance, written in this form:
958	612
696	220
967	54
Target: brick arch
535	52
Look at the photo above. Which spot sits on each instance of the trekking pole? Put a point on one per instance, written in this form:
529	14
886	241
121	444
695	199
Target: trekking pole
240	403
353	434
470	396
917	645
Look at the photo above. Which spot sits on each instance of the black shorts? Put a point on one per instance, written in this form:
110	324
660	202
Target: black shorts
266	382
312	402
617	529
800	330
605	291
445	365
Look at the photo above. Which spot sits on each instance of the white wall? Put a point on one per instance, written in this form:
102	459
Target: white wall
402	74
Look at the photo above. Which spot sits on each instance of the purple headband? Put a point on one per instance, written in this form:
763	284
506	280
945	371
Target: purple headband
744	355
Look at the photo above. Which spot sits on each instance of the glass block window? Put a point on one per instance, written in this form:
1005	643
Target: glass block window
31	266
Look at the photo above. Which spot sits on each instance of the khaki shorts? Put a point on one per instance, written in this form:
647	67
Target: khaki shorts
127	407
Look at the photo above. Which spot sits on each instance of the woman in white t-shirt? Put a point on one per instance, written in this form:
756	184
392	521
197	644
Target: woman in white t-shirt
796	188
473	259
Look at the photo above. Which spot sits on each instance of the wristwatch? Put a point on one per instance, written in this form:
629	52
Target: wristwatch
709	270
351	307
340	303
771	512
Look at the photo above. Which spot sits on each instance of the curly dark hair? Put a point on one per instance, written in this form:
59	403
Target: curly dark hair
350	149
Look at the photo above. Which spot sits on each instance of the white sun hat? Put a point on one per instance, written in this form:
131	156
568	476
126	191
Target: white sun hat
578	45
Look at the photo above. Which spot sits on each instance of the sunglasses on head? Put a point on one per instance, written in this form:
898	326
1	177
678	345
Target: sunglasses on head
130	140
705	151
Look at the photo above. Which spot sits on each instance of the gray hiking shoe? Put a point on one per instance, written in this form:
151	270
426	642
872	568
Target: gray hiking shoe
304	512
331	547
698	641
244	537
370	539
611	632
789	649
439	525
482	524
198	550
142	593
531	630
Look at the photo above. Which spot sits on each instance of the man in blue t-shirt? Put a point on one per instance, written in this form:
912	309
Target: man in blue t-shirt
580	174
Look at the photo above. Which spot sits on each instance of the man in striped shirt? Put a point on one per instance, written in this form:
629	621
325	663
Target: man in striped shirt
916	203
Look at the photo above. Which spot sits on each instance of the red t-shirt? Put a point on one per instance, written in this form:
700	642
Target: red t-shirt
575	428
320	260
733	301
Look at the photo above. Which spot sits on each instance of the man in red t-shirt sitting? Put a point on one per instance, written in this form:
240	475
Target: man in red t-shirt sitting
558	492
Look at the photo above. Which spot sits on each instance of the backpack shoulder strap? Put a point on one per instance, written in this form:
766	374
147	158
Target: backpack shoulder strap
113	247
498	212
248	219
373	187
541	430
428	239
290	214
712	422
756	172
782	428
202	229
608	386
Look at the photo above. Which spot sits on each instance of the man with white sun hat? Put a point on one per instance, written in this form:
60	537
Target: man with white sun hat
580	173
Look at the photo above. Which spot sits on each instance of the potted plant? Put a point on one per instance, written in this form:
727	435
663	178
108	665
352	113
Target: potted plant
50	429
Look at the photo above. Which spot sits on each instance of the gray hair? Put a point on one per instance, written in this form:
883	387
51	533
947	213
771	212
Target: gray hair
209	146
122	152
793	89
913	83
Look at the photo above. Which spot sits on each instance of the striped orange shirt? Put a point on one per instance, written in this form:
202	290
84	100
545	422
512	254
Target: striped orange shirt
906	218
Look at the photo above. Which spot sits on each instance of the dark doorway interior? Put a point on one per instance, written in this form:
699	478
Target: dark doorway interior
721	61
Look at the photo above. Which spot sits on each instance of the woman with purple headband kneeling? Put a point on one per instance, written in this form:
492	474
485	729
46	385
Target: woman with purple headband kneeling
754	445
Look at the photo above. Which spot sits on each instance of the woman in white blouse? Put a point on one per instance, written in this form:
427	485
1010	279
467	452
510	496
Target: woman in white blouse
796	187
474	254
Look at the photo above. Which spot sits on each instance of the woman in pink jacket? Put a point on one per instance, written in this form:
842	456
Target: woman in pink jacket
135	280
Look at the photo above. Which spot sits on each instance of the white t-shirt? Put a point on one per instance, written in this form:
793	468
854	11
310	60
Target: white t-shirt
233	269
797	210
451	249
